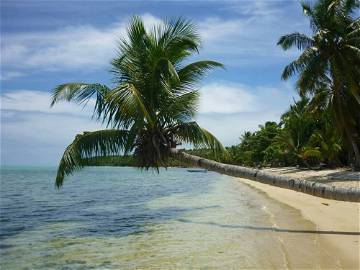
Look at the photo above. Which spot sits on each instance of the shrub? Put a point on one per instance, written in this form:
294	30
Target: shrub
312	157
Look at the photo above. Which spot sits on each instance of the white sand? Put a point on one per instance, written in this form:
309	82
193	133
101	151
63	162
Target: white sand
327	215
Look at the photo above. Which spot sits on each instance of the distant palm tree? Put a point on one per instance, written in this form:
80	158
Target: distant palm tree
329	66
298	127
150	110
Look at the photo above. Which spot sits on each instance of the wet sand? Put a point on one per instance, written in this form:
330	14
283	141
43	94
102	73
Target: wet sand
337	222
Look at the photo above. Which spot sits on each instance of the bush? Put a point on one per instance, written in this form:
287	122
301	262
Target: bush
312	157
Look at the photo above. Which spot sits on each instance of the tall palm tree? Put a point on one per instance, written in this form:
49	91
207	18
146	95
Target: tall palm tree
151	107
329	66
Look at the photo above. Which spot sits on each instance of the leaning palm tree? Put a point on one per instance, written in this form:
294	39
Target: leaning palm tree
151	107
329	66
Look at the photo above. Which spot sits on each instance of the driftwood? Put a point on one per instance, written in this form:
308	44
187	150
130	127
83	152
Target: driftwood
304	186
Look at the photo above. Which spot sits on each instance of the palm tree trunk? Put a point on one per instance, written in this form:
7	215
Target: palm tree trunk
308	187
354	147
356	153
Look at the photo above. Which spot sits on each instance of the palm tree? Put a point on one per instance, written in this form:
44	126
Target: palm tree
329	66
298	127
151	107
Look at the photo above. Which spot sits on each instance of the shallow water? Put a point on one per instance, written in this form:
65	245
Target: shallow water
122	218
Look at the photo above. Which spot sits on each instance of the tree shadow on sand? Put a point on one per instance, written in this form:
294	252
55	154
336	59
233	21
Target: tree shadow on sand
263	228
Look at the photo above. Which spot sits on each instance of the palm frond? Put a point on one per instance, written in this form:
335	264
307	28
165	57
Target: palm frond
193	134
308	56
125	105
190	74
178	36
87	145
81	93
179	107
301	41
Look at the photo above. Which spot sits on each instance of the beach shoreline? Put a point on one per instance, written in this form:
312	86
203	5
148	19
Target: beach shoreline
339	220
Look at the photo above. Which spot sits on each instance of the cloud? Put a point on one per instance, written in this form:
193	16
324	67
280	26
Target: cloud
39	101
226	98
265	9
229	98
8	75
31	138
243	41
72	47
249	38
32	133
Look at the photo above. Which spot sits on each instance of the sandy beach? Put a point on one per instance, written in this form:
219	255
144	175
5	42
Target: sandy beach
335	218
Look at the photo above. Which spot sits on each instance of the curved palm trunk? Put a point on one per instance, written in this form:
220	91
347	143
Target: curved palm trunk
308	187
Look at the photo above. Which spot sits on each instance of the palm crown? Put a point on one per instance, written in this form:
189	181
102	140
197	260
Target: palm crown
150	110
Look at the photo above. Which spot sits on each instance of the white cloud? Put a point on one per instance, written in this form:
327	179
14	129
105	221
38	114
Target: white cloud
243	40
39	101
83	46
265	9
34	133
8	75
251	38
35	139
226	98
229	98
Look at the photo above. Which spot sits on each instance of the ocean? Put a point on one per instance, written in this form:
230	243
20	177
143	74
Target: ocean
125	218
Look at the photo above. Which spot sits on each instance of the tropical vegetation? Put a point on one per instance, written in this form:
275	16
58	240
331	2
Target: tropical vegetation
124	161
323	127
151	107
329	66
301	138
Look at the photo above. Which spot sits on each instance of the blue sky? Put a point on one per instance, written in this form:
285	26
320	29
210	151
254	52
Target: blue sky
45	43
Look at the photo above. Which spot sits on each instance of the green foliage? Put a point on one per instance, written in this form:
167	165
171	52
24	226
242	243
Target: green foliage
329	66
252	150
302	138
118	161
123	161
152	105
311	157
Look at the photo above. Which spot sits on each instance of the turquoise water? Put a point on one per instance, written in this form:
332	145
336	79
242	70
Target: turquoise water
122	218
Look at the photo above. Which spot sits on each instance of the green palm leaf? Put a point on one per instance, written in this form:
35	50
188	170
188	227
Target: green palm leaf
192	133
81	93
301	41
87	145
